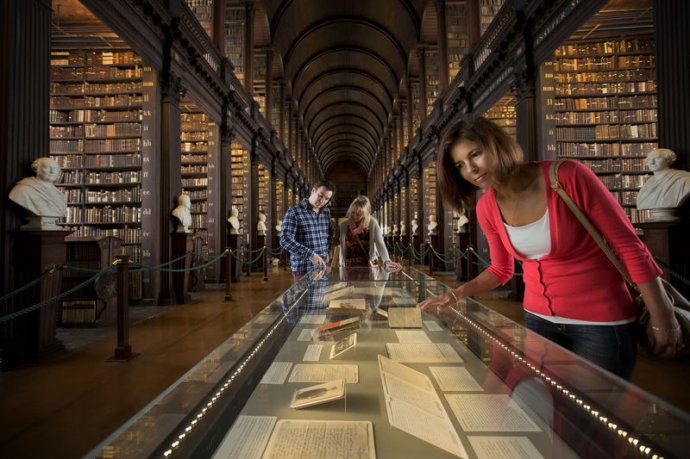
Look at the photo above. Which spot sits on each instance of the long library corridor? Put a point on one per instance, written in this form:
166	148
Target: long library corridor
185	130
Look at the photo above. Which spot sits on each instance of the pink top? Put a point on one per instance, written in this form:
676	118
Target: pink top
575	280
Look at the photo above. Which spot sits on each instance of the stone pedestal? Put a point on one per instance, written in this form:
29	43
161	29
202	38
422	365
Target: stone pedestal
35	252
233	241
669	242
182	243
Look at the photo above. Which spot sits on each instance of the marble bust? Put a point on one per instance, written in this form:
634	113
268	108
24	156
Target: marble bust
234	221
279	223
40	197
461	225
432	226
261	227
667	189
403	228
182	213
414	226
394	230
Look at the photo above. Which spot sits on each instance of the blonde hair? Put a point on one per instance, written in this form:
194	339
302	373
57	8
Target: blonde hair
360	207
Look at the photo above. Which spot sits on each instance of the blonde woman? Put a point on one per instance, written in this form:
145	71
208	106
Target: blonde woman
361	238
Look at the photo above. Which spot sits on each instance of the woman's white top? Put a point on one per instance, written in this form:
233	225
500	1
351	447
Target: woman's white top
533	240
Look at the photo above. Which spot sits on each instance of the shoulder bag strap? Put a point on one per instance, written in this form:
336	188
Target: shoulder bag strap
556	185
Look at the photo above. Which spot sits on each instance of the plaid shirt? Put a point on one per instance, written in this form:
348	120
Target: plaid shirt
304	233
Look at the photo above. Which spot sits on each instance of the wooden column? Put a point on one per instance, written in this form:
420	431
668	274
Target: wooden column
24	105
170	179
442	46
421	57
250	12
269	87
672	36
219	24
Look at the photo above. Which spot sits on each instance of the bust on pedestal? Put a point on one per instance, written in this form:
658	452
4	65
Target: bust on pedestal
182	214
414	225
234	221
432	227
44	203
461	225
665	191
261	227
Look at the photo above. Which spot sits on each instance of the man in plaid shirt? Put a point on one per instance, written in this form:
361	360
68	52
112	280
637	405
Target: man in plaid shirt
306	231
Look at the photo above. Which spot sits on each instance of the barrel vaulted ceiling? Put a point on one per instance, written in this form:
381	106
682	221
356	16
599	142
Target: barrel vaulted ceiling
344	61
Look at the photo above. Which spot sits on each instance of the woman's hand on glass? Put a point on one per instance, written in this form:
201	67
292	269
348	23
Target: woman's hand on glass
392	266
437	304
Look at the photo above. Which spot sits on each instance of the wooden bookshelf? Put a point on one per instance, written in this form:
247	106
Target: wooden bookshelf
95	301
97	100
239	157
430	197
487	11
601	107
196	135
457	34
203	11
432	83
234	37
503	113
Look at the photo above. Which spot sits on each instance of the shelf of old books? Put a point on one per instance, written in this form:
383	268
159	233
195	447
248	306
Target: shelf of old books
264	192
601	103
198	157
457	35
97	113
431	62
239	157
503	113
345	365
414	206
487	12
234	37
430	196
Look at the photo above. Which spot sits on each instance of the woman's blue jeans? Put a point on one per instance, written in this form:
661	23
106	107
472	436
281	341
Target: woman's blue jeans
612	347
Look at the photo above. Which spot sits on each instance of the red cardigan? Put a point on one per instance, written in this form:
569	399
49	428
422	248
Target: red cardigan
575	280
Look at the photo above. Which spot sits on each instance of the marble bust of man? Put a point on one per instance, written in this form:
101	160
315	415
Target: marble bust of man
261	227
667	189
403	228
40	197
433	225
234	221
414	226
182	213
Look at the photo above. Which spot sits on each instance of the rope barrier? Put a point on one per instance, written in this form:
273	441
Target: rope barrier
51	270
261	251
62	295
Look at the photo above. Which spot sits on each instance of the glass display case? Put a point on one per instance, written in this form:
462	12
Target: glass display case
344	365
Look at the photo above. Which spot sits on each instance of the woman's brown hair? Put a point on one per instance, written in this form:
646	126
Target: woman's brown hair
456	192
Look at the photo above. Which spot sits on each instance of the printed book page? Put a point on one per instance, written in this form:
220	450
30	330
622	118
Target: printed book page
455	379
313	319
313	353
276	373
412	336
317	439
399	389
504	447
427	427
422	353
404	318
306	334
315	372
490	413
247	438
414	377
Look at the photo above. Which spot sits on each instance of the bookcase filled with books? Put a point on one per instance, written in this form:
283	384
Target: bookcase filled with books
503	113
198	157
457	34
404	216
240	183
414	206
600	105
97	101
263	194
431	62
429	196
487	12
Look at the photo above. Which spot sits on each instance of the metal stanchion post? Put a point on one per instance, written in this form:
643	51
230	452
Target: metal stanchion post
265	264
123	351
431	259
228	274
470	271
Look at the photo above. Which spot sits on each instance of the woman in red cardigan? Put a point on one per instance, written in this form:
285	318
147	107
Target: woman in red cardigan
573	294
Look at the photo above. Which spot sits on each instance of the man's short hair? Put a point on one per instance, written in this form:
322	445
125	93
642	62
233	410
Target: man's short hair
327	184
